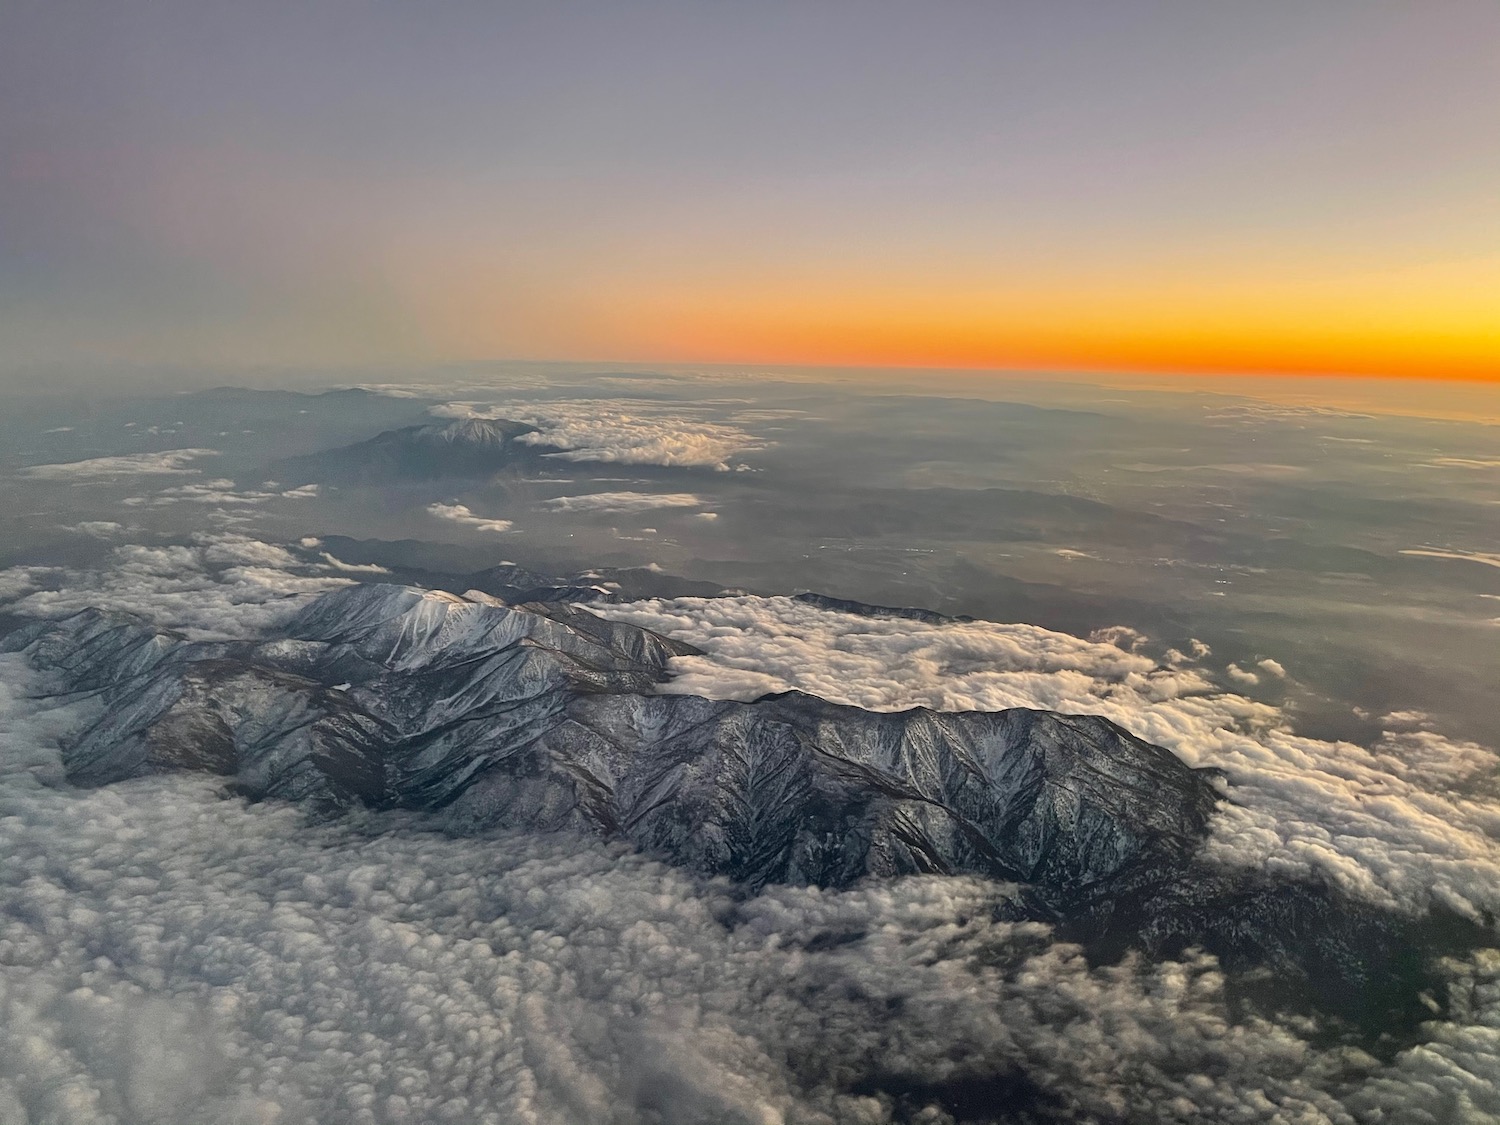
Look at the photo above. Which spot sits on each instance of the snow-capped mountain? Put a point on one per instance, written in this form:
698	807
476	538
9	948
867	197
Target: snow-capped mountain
545	716
468	447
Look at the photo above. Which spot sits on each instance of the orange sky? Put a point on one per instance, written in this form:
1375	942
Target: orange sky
1156	185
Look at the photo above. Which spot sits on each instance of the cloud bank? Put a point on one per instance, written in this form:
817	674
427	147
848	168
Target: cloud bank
1482	557
171	462
222	492
623	502
460	513
219	586
626	433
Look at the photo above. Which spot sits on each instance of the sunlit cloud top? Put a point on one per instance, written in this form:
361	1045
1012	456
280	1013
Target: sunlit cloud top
1142	185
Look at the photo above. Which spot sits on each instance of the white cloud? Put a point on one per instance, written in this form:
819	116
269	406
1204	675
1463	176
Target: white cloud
620	431
1400	720
219	586
1370	819
1241	676
460	513
1483	557
169	462
223	492
21	580
1462	463
1121	636
352	568
1274	667
99	529
623	502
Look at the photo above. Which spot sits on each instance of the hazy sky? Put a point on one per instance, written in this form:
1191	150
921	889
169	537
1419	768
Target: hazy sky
1284	186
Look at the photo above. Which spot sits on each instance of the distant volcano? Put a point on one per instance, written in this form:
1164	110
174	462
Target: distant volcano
470	447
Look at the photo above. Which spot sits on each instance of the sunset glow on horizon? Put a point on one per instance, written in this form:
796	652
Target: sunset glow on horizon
1276	189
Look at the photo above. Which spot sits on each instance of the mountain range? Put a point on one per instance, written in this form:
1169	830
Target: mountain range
544	717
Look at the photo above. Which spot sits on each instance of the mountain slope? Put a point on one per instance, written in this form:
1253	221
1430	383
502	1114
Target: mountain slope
470	447
543	716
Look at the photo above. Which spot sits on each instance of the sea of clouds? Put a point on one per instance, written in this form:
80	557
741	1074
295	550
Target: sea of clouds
169	954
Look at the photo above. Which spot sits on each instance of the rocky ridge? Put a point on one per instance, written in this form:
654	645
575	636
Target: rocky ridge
544	716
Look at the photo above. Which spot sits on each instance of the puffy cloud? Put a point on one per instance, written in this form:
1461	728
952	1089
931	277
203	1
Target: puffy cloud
127	465
20	580
218	586
623	502
621	431
1241	675
1121	636
1274	667
222	492
460	513
1396	823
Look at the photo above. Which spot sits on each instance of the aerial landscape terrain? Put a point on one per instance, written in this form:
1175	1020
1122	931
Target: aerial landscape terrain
1013	638
875	754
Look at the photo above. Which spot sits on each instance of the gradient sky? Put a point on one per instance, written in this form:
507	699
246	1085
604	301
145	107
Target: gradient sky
1283	186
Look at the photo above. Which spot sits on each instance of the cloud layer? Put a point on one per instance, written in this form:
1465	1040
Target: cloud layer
219	586
168	955
127	465
460	513
222	492
623	502
626	433
1389	823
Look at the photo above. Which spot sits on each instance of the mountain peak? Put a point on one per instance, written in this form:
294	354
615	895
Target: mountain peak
468	447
